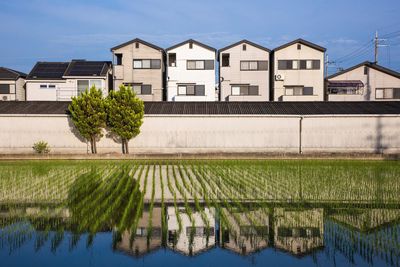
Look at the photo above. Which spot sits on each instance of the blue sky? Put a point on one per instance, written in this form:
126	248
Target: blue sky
60	30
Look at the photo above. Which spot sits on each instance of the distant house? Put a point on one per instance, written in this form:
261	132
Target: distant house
141	65
298	72
364	82
244	72
12	85
59	81
191	72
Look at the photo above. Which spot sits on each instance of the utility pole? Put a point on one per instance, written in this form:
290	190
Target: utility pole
377	44
327	63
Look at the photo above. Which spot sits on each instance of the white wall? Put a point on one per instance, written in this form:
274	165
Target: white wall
65	89
213	134
306	78
180	74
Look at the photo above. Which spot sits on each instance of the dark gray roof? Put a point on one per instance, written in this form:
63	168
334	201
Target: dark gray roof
57	70
246	42
48	71
303	42
369	64
10	74
223	108
137	40
192	41
87	68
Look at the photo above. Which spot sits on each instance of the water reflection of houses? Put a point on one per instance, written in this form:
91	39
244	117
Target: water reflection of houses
143	242
298	231
194	236
244	232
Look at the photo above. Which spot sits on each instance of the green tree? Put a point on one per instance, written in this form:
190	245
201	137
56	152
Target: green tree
124	115
89	115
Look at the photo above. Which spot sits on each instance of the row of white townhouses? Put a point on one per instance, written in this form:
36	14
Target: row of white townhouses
193	71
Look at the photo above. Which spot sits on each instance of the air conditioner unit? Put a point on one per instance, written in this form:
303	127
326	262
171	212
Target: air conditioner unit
173	64
5	98
279	77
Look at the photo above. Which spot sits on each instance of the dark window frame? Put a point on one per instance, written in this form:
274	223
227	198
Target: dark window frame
137	45
119	57
196	88
151	63
205	64
300	64
225	59
171	56
395	95
8	89
258	65
248	88
244	47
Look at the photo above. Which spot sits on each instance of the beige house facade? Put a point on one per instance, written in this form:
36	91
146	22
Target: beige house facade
244	72
140	64
12	85
298	72
366	81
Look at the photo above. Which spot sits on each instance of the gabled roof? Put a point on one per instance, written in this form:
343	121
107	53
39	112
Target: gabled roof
9	74
192	41
48	71
370	65
138	41
223	108
303	42
246	42
87	68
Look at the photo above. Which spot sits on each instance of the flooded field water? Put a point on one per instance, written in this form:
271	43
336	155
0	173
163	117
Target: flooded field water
200	213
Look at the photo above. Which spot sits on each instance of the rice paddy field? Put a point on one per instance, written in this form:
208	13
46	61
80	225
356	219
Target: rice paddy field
191	212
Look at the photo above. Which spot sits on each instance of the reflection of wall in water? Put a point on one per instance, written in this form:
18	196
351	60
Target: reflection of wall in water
245	237
140	244
200	242
298	231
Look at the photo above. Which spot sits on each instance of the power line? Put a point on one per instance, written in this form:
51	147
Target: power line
359	50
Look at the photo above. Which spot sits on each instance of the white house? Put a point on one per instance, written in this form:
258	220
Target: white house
59	81
191	72
298	72
366	81
12	85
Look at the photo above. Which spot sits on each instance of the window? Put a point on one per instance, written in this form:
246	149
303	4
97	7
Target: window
47	86
244	47
136	45
140	89
253	65
190	45
96	83
235	90
119	59
387	93
4	88
83	85
172	59
225	59
200	64
298	46
299	64
299	90
191	89
137	64
146	63
365	70
244	89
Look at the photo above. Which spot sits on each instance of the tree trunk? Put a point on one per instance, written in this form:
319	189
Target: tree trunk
123	146
91	145
94	145
127	146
